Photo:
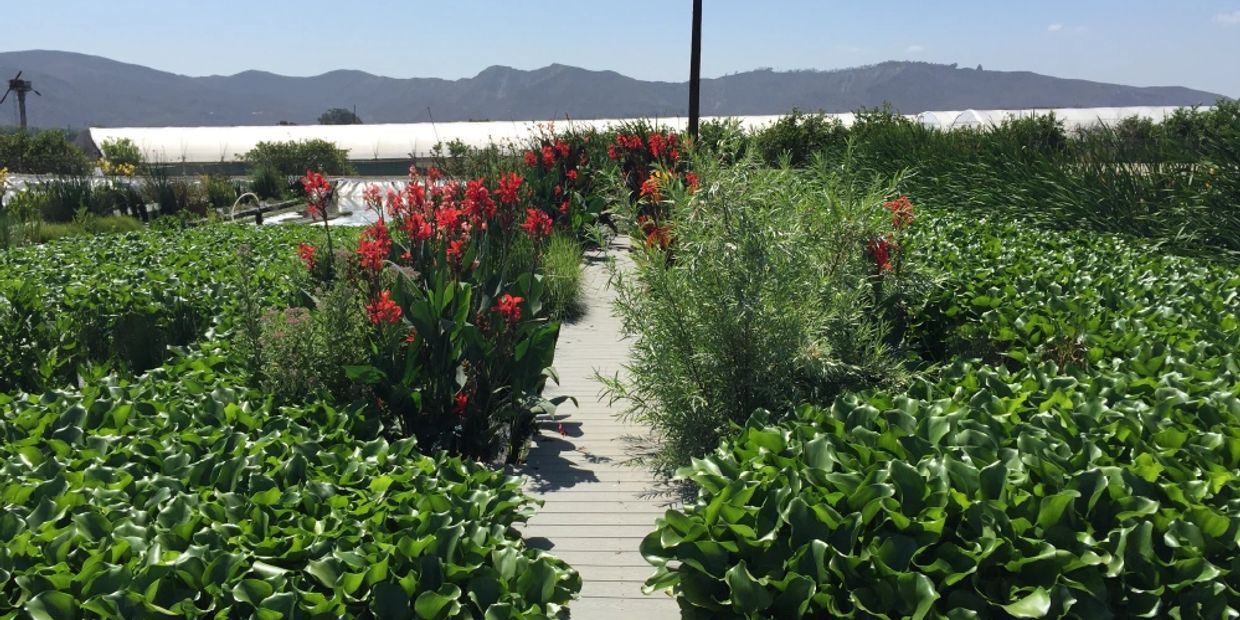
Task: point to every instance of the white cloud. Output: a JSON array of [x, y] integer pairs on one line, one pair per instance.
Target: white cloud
[[1228, 19], [1054, 28], [915, 49]]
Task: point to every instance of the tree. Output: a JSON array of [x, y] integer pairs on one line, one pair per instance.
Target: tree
[[340, 116]]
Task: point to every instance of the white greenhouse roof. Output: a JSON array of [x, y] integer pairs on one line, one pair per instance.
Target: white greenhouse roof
[[205, 145]]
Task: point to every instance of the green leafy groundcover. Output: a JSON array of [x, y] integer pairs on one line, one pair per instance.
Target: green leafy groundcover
[[177, 496], [1085, 466], [120, 300]]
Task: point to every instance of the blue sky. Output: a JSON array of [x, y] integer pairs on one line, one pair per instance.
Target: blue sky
[[1141, 42]]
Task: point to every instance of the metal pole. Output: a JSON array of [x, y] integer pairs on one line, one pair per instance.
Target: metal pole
[[21, 105], [695, 71]]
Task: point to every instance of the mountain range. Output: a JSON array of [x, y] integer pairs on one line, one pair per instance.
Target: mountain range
[[79, 90]]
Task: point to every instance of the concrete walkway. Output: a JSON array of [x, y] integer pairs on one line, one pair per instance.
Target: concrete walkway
[[598, 507]]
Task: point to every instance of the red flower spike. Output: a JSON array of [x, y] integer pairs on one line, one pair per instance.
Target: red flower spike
[[509, 188], [537, 224], [383, 311], [306, 252], [509, 307]]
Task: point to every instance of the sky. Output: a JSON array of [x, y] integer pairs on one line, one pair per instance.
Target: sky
[[1192, 43]]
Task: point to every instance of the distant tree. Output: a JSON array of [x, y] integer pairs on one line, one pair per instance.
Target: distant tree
[[340, 116], [288, 123]]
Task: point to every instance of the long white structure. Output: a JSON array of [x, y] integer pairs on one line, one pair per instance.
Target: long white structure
[[389, 142]]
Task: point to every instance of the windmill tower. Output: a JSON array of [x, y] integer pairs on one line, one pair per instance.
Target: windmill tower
[[21, 87]]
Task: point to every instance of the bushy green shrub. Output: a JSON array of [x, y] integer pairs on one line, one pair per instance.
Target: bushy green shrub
[[305, 354], [42, 152], [121, 152], [798, 137], [293, 159], [267, 183], [767, 296]]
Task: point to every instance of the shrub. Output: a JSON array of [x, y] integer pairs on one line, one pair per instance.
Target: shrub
[[798, 137], [305, 355], [173, 194], [293, 159], [267, 183], [771, 297], [121, 155], [43, 152]]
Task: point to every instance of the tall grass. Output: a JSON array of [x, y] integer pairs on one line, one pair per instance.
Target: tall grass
[[1174, 182]]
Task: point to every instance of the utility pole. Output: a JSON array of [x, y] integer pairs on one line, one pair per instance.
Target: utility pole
[[21, 87], [695, 71]]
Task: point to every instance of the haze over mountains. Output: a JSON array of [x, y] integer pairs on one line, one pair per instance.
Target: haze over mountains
[[80, 90]]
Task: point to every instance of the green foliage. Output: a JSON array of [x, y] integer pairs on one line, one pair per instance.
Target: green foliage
[[340, 116], [458, 160], [293, 159], [267, 182], [173, 194], [1173, 182], [121, 151], [121, 300], [304, 354], [59, 200], [43, 152], [798, 137], [1090, 474], [181, 495], [767, 298], [42, 232], [563, 277]]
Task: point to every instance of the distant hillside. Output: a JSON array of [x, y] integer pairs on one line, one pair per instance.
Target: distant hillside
[[80, 90]]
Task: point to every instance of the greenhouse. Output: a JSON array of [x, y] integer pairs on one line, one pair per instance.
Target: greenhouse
[[396, 144]]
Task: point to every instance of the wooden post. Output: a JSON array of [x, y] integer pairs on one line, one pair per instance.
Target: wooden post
[[695, 71]]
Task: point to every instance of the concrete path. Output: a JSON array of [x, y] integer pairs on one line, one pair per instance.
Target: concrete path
[[598, 507]]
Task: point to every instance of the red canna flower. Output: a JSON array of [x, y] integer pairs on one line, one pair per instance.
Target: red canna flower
[[537, 224], [612, 154], [383, 311], [564, 207], [880, 251], [509, 188], [374, 247], [460, 403], [531, 160], [901, 211], [509, 307], [478, 204], [416, 227], [548, 156], [692, 181], [434, 174], [571, 175], [656, 145], [307, 252], [317, 189], [412, 336], [563, 148], [455, 248]]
